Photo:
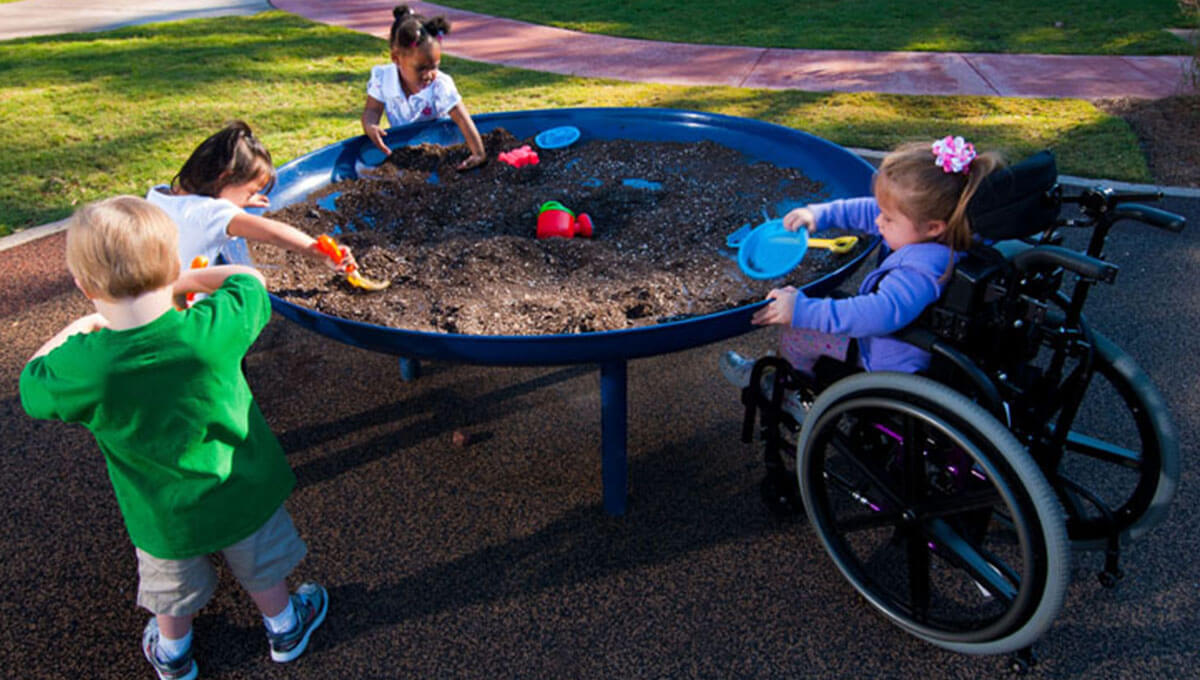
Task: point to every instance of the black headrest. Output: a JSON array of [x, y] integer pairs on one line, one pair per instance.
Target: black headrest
[[1017, 201]]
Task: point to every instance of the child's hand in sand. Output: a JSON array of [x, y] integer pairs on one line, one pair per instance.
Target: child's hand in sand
[[473, 161]]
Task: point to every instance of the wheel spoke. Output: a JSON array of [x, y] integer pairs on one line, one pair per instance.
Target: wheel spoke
[[916, 489], [865, 468], [916, 484], [918, 575], [957, 505], [962, 554], [864, 522], [1099, 449], [878, 517]]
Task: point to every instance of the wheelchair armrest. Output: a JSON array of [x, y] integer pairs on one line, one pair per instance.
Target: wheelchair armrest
[[1057, 256]]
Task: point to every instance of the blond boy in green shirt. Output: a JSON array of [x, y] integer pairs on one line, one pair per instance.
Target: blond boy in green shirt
[[194, 466]]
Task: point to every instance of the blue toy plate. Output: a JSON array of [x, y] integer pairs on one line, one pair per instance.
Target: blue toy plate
[[556, 138], [770, 251], [370, 156], [735, 239]]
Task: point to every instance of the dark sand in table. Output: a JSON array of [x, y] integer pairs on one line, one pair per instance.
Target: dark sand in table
[[461, 253]]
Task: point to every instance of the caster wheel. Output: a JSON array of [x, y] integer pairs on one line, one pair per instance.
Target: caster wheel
[[1110, 579], [1022, 662], [781, 495]]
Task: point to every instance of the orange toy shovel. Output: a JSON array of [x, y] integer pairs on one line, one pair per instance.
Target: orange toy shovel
[[198, 262]]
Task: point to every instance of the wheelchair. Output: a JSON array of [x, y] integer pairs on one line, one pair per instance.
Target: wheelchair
[[952, 499]]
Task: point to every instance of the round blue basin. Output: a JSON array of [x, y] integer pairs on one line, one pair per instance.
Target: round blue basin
[[841, 172]]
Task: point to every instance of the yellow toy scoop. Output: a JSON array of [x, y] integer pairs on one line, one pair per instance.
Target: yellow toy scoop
[[839, 246], [327, 245], [353, 278]]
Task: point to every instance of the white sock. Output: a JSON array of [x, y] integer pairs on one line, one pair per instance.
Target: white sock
[[283, 621], [169, 650]]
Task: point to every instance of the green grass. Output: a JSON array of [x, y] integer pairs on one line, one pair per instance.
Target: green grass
[[1060, 27], [91, 115]]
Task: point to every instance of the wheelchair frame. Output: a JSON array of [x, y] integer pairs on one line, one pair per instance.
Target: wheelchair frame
[[952, 500]]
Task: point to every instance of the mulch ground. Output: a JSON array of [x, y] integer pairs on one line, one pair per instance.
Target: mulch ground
[[1167, 130]]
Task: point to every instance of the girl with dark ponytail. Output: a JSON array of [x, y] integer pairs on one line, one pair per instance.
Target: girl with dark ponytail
[[228, 172]]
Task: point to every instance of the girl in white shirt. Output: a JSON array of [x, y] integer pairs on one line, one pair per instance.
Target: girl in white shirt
[[228, 172], [412, 89]]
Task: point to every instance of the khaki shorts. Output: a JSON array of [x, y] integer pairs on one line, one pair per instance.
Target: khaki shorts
[[259, 561]]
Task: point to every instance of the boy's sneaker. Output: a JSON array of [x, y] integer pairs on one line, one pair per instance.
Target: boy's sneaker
[[183, 668], [310, 602]]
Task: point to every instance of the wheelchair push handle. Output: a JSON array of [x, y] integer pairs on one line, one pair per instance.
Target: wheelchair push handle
[[1154, 217], [1102, 199]]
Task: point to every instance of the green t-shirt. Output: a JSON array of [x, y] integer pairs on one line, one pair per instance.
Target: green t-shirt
[[193, 462]]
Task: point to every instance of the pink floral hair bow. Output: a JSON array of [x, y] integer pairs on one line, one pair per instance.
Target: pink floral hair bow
[[953, 154]]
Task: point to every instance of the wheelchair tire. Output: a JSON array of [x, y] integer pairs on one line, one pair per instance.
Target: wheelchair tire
[[1130, 460], [934, 512]]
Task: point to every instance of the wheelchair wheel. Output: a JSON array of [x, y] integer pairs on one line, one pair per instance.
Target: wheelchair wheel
[[1122, 449], [934, 512]]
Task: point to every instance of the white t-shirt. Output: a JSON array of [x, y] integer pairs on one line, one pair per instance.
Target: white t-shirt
[[432, 102], [203, 222]]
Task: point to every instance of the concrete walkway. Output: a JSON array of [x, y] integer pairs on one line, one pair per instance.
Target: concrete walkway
[[542, 48], [513, 43], [49, 17]]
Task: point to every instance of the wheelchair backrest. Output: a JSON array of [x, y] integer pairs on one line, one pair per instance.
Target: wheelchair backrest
[[1018, 201]]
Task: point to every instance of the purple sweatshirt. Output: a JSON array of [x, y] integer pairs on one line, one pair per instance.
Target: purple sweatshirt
[[889, 298]]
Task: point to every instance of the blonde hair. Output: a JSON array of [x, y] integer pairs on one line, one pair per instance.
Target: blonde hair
[[924, 192], [122, 247]]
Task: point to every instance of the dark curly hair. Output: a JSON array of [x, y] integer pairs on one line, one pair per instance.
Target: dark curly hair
[[410, 30]]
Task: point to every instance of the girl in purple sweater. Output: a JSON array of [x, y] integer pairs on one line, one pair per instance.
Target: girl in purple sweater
[[919, 208]]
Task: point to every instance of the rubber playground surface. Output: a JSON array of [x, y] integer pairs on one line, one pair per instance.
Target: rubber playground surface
[[496, 560]]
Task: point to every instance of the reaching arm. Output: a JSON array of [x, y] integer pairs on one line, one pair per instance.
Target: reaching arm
[[87, 324], [276, 233], [371, 115], [466, 125], [848, 213], [900, 298], [209, 279]]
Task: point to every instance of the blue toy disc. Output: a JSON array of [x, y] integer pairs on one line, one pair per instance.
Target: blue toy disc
[[734, 240], [556, 138], [370, 156], [770, 251]]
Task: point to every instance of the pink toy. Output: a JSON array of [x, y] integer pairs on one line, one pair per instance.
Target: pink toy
[[520, 156], [556, 220]]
